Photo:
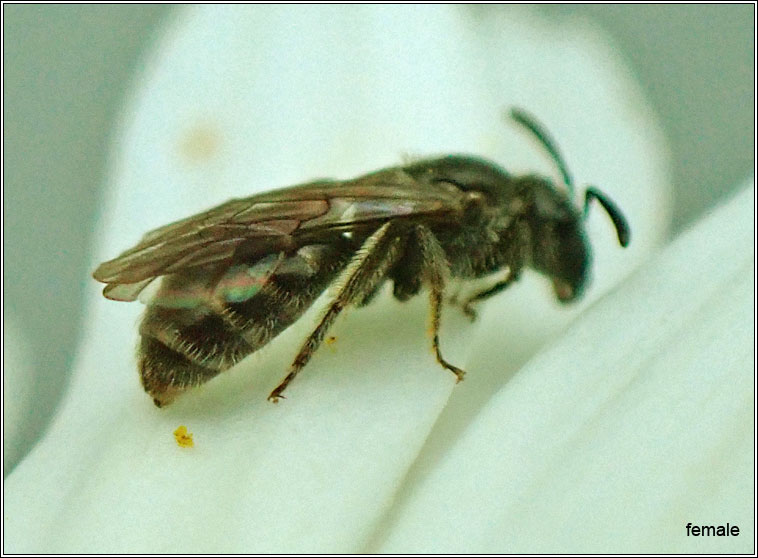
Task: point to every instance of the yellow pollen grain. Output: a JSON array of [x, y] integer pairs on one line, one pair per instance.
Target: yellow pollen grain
[[183, 438]]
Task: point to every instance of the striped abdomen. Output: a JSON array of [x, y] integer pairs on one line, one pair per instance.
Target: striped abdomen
[[199, 324]]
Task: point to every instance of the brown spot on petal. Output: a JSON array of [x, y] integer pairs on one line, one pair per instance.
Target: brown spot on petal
[[200, 143]]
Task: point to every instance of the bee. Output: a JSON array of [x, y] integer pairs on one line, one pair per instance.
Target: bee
[[237, 275]]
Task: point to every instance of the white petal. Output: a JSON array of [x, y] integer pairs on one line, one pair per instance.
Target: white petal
[[18, 391], [636, 422], [240, 99]]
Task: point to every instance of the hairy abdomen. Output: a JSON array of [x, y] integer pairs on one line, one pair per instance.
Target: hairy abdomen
[[202, 322]]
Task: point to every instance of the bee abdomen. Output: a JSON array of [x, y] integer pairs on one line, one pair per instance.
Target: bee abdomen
[[197, 326]]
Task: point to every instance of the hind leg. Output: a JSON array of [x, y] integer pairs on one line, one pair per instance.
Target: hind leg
[[361, 277]]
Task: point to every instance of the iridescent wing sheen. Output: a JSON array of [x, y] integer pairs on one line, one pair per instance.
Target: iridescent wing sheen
[[275, 222]]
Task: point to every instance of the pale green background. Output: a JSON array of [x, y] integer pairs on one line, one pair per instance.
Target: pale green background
[[68, 69]]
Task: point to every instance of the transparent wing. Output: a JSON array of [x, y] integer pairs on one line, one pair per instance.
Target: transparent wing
[[273, 222]]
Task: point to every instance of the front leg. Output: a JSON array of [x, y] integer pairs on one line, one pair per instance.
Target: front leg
[[486, 293]]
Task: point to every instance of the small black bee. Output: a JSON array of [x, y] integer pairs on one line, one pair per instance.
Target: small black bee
[[237, 275]]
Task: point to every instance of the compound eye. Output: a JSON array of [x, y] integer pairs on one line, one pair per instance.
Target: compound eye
[[573, 256]]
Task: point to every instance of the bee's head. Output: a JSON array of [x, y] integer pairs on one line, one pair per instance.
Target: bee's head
[[559, 247]]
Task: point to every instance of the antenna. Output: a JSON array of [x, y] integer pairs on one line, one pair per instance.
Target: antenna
[[619, 221], [538, 131]]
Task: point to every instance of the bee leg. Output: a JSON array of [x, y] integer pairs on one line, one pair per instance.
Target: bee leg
[[436, 301], [435, 272], [486, 293], [361, 277]]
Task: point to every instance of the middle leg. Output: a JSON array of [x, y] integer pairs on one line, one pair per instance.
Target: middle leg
[[435, 270]]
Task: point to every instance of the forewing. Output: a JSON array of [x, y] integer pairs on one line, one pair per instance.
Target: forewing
[[209, 238], [277, 221]]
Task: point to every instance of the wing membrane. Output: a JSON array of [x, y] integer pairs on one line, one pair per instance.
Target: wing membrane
[[281, 220]]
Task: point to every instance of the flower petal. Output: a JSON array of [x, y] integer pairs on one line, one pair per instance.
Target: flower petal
[[636, 422], [239, 99]]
